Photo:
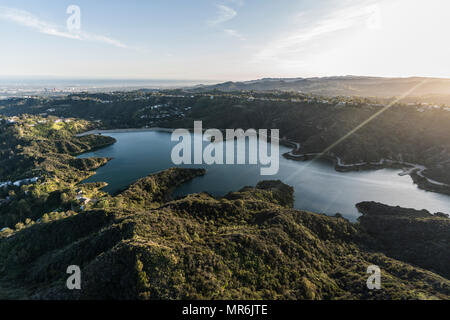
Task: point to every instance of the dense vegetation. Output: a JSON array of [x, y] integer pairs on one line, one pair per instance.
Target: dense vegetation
[[45, 150], [405, 133], [434, 90], [423, 239], [249, 244]]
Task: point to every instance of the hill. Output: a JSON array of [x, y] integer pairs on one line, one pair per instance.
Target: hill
[[341, 86], [142, 244], [247, 245]]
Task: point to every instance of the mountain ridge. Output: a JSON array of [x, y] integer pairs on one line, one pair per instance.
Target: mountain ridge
[[381, 87]]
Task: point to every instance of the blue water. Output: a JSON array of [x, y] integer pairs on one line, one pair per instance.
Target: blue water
[[318, 187]]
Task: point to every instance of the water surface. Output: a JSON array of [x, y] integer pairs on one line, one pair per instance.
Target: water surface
[[318, 187]]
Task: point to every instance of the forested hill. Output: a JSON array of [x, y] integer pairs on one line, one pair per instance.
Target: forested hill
[[407, 135], [143, 244], [249, 244], [342, 86], [38, 167]]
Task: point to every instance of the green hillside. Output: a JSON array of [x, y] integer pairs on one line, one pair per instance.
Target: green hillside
[[251, 244]]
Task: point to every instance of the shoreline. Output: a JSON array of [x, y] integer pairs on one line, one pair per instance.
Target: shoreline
[[415, 171], [101, 131]]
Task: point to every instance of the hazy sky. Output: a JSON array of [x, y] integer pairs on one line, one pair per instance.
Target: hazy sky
[[225, 39]]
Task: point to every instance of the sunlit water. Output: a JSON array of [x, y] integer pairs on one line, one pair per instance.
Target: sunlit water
[[318, 187]]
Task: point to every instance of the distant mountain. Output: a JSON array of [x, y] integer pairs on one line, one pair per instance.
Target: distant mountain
[[345, 85]]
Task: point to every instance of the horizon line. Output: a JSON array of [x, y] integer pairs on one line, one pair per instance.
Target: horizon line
[[131, 78]]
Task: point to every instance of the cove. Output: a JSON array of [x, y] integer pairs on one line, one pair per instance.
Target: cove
[[318, 187]]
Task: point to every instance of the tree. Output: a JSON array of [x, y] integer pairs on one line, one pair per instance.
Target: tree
[[45, 218], [19, 226]]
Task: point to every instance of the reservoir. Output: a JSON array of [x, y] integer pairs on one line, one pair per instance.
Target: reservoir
[[318, 186]]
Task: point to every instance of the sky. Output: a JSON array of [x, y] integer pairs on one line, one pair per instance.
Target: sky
[[223, 39]]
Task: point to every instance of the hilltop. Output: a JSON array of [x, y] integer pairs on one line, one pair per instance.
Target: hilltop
[[343, 86]]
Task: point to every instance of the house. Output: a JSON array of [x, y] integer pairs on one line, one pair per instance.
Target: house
[[82, 199], [5, 184], [12, 119], [18, 183]]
